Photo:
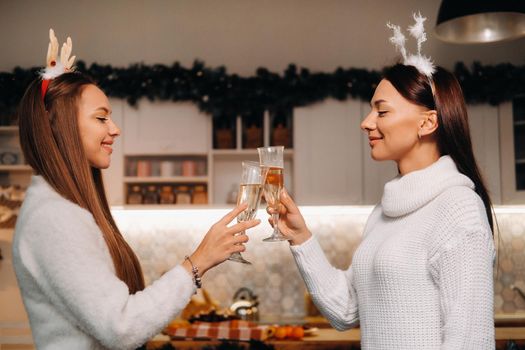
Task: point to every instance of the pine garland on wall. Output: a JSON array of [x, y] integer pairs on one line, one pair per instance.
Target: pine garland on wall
[[225, 95]]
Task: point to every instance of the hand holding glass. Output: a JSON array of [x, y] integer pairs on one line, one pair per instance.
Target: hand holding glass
[[272, 158], [250, 189]]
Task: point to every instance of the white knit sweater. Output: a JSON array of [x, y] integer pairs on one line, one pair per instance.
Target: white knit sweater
[[71, 293], [422, 276]]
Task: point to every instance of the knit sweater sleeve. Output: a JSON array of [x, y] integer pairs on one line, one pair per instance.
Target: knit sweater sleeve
[[331, 289], [462, 268], [64, 252]]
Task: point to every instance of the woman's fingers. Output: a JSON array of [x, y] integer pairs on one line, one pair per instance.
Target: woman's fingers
[[233, 214], [240, 239], [242, 226], [282, 210], [288, 203], [238, 248]]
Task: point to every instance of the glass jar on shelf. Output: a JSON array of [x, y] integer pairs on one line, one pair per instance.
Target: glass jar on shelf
[[151, 196], [143, 168], [200, 167], [155, 167], [200, 195], [232, 194], [135, 195], [166, 195], [183, 195], [166, 168], [188, 168]]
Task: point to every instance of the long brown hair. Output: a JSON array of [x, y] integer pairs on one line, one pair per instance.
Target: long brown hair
[[453, 134], [52, 146]]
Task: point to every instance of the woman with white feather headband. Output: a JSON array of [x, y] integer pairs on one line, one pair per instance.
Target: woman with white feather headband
[[422, 277]]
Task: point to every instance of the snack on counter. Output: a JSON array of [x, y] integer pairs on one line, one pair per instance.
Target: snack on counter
[[199, 304], [212, 316]]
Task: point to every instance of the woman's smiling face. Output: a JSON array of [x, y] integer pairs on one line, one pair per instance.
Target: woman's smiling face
[[97, 129], [392, 125]]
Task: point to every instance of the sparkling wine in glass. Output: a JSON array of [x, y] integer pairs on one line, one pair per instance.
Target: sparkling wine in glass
[[272, 158], [250, 190]]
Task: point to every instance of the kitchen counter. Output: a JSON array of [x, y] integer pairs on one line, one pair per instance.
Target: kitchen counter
[[324, 338], [327, 338]]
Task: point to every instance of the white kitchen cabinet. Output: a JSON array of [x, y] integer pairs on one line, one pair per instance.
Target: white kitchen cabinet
[[165, 128], [484, 131], [328, 153], [512, 151]]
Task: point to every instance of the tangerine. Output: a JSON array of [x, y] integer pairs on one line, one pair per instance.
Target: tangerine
[[297, 332], [280, 332]]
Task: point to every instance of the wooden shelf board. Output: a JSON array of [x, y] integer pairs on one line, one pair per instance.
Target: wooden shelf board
[[17, 167], [8, 128], [159, 179], [243, 152]]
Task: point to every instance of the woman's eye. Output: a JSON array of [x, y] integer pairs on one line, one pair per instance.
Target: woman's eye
[[381, 113], [102, 119]]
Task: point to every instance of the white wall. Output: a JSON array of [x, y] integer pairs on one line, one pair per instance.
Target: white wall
[[240, 34]]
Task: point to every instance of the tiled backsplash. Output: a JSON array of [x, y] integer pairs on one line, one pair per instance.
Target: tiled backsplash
[[511, 261], [162, 238]]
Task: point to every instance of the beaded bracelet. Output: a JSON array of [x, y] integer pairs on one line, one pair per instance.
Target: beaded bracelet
[[195, 272]]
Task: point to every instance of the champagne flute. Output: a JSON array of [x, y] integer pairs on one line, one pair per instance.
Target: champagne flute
[[250, 190], [272, 158]]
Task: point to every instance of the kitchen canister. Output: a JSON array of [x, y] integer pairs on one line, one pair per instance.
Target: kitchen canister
[[143, 168], [188, 168], [166, 168]]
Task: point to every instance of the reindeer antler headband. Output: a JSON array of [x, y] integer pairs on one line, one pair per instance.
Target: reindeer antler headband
[[423, 63], [54, 66]]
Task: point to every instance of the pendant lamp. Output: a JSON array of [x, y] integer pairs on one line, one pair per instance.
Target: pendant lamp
[[480, 21]]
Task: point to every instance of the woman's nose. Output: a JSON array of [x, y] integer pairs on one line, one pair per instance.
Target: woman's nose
[[368, 123], [114, 130]]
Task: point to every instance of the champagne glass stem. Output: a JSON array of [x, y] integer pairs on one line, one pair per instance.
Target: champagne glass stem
[[275, 219], [237, 256]]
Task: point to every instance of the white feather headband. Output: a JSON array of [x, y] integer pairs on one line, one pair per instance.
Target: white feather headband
[[54, 66], [422, 63]]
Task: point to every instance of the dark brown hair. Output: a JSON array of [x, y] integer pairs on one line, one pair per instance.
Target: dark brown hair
[[51, 143], [453, 134]]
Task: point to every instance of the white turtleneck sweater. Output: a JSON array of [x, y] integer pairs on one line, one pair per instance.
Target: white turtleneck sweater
[[422, 276], [71, 293]]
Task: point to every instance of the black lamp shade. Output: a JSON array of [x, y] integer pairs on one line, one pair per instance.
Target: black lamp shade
[[480, 21]]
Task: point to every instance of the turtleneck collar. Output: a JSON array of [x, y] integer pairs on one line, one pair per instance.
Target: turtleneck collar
[[39, 184], [407, 193]]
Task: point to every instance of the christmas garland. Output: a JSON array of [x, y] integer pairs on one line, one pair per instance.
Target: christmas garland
[[225, 95]]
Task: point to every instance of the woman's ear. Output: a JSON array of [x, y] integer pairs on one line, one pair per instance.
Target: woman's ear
[[429, 123]]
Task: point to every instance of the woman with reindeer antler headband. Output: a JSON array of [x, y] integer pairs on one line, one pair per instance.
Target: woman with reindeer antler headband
[[81, 283], [422, 276]]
